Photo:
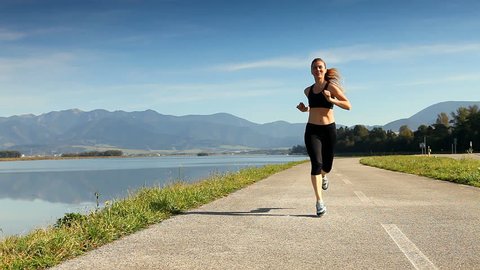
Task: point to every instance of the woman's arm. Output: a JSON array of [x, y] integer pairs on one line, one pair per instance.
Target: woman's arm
[[301, 107], [337, 97]]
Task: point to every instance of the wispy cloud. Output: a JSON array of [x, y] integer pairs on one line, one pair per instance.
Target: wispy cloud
[[36, 66], [9, 35], [436, 81], [21, 104], [166, 93], [373, 53], [267, 63], [212, 96], [443, 80], [354, 53]]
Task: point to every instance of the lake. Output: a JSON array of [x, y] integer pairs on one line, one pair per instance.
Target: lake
[[35, 194]]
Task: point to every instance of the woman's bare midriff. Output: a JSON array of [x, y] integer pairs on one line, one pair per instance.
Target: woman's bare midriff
[[320, 116]]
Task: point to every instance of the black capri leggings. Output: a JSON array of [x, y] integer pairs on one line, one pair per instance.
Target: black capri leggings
[[320, 141]]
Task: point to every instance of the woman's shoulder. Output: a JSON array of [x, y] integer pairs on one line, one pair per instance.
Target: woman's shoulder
[[332, 86], [307, 89]]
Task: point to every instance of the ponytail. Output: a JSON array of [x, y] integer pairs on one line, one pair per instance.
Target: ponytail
[[333, 76]]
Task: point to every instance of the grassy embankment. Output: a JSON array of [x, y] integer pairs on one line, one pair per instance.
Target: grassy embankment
[[75, 234], [462, 171]]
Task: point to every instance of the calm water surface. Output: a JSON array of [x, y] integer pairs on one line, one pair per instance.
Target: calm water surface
[[36, 193]]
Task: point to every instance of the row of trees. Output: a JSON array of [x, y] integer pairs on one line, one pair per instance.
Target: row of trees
[[108, 153], [10, 154], [459, 132]]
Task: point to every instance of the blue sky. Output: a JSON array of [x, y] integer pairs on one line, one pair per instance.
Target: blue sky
[[247, 58]]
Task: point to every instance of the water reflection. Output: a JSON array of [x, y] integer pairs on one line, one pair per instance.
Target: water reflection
[[35, 193], [20, 217], [80, 186]]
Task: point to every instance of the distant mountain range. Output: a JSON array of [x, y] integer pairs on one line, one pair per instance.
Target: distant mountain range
[[429, 115], [75, 131]]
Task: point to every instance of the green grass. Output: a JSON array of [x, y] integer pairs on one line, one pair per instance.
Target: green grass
[[74, 234], [462, 171]]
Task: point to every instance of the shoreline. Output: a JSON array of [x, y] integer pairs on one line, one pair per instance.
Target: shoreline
[[56, 158], [34, 158]]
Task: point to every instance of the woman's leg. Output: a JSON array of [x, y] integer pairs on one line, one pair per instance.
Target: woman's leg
[[314, 150], [329, 139], [316, 182]]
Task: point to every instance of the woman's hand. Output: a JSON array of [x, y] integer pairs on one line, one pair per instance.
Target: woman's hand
[[328, 95], [335, 96], [301, 107]]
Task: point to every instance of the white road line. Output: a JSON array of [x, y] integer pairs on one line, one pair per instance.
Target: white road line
[[362, 196], [346, 181], [409, 249]]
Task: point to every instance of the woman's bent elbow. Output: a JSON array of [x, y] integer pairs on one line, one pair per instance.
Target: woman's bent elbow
[[347, 106]]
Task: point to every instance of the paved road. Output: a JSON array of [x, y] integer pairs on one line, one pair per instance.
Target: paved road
[[376, 219]]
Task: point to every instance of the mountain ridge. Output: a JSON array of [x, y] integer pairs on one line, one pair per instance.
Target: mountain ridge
[[59, 131], [428, 116], [75, 130]]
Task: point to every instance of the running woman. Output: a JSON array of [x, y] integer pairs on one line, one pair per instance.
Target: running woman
[[320, 131]]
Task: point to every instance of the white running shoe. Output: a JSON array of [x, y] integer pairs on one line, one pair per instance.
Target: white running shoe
[[321, 208], [324, 182]]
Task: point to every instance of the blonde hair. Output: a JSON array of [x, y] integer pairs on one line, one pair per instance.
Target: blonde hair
[[332, 75]]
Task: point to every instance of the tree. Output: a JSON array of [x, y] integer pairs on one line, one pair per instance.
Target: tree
[[474, 127], [108, 153], [345, 140], [421, 131], [377, 134], [391, 144], [10, 154], [442, 119], [405, 132], [360, 137], [377, 139], [405, 139], [298, 150], [466, 121], [360, 131]]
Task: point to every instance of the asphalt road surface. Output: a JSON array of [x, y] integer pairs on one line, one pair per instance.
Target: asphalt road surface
[[376, 219]]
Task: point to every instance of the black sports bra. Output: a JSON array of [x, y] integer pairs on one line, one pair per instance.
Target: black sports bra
[[318, 100]]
